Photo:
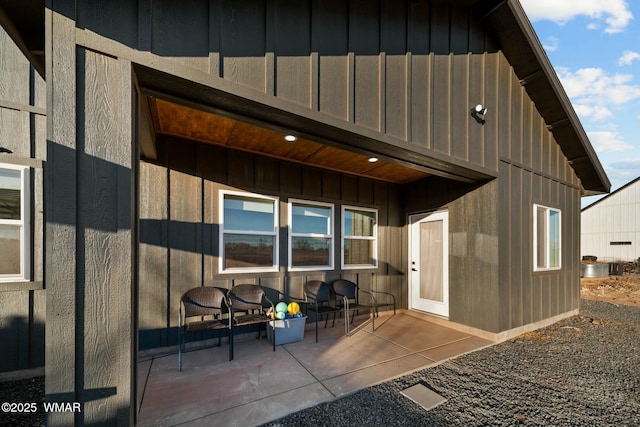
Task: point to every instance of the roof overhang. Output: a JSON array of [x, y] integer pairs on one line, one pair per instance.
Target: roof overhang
[[508, 24]]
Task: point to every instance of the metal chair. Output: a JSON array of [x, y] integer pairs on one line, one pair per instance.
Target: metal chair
[[348, 300], [201, 309], [317, 294], [251, 300]]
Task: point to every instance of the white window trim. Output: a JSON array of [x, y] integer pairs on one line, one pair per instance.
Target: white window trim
[[275, 233], [374, 238], [292, 235], [25, 224], [535, 239]]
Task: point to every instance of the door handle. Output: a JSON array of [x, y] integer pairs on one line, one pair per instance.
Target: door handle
[[414, 269]]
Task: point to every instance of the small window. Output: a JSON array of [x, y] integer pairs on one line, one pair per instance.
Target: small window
[[359, 237], [310, 235], [249, 233], [14, 223], [546, 238]]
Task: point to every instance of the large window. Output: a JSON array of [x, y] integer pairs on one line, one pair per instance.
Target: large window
[[249, 233], [310, 235], [359, 237], [14, 223], [546, 238]]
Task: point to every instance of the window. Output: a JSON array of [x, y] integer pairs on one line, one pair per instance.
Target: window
[[359, 237], [249, 233], [546, 238], [14, 223], [310, 235]]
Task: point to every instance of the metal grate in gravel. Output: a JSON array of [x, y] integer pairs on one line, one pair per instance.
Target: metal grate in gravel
[[423, 396]]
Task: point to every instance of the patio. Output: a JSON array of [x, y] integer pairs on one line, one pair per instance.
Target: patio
[[260, 385]]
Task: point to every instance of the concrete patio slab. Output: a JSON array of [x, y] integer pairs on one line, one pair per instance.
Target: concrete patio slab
[[261, 385]]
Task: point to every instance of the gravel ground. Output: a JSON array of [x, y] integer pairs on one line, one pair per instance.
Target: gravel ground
[[583, 371]]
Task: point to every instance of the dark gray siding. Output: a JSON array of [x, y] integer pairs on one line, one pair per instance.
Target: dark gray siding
[[402, 74], [22, 131], [492, 283], [406, 72], [89, 235], [179, 226]]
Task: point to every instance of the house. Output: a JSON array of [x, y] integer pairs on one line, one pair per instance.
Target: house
[[610, 227], [424, 148]]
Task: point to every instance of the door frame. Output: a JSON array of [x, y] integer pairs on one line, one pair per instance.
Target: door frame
[[432, 307]]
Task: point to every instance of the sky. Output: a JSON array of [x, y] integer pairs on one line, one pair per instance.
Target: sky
[[594, 46]]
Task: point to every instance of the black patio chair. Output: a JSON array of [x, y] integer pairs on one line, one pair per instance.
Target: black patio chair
[[348, 299], [201, 309], [317, 294], [247, 306]]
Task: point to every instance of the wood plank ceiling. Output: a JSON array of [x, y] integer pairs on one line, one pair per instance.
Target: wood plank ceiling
[[197, 125]]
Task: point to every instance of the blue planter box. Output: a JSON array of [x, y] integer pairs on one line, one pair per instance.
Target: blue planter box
[[288, 330]]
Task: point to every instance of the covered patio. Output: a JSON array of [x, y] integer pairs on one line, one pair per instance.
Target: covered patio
[[260, 385]]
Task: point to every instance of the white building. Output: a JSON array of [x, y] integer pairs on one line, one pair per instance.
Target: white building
[[610, 227]]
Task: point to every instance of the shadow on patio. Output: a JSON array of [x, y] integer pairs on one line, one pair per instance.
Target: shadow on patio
[[260, 385]]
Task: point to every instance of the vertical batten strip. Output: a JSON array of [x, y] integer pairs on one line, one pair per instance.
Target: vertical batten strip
[[215, 66], [314, 86], [61, 211], [351, 86], [407, 97], [382, 92]]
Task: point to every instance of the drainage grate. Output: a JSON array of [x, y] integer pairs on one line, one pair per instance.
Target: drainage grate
[[424, 396]]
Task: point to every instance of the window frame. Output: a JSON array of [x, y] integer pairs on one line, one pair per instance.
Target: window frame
[[344, 237], [275, 233], [548, 242], [291, 235], [24, 223]]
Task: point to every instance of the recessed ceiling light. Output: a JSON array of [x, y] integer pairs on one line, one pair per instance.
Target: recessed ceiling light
[[373, 159], [290, 138]]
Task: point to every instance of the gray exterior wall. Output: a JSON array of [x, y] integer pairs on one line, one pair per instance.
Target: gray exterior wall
[[22, 131], [397, 77], [179, 223]]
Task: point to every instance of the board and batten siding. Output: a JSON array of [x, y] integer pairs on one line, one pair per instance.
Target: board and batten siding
[[404, 73], [180, 225], [493, 286], [23, 132], [90, 233]]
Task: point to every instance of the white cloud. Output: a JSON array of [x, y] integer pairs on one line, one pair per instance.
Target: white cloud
[[608, 142], [622, 172], [550, 44], [628, 57], [596, 113], [629, 164], [596, 88], [615, 13]]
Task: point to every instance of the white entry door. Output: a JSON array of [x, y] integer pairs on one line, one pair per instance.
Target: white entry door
[[429, 263]]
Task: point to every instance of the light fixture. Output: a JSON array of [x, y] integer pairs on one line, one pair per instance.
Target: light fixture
[[290, 138], [478, 113], [479, 109], [373, 159]]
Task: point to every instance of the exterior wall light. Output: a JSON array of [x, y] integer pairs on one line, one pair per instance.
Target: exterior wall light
[[479, 109], [478, 113]]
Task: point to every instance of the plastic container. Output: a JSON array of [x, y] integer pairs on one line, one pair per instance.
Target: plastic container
[[288, 330]]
